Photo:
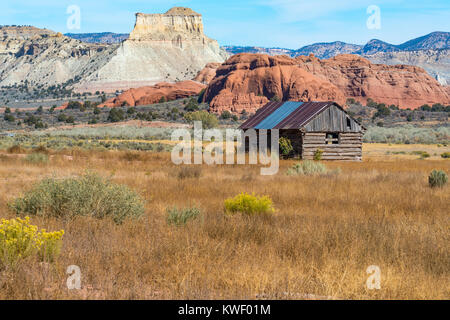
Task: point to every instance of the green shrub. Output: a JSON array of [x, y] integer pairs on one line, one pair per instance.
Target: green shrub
[[74, 105], [285, 147], [201, 95], [437, 178], [249, 205], [207, 119], [181, 217], [87, 195], [318, 155], [9, 117], [275, 98], [308, 168], [192, 105], [445, 155], [116, 115], [226, 115], [422, 154], [37, 158]]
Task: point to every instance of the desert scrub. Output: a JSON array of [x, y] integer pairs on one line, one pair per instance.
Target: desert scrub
[[285, 147], [207, 119], [318, 155], [445, 155], [422, 154], [36, 158], [249, 204], [19, 240], [437, 179], [87, 195], [307, 168], [180, 217], [407, 134]]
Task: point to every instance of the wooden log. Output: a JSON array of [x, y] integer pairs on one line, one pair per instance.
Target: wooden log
[[334, 150], [351, 142], [315, 134], [351, 134], [329, 145], [314, 142]]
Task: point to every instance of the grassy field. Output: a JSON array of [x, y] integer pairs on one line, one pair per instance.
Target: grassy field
[[324, 234]]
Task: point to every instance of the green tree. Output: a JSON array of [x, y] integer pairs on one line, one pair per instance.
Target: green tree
[[9, 117], [207, 119], [226, 115], [191, 106], [74, 105], [275, 98], [201, 95], [116, 115]]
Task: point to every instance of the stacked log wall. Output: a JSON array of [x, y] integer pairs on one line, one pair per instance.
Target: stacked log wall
[[349, 146]]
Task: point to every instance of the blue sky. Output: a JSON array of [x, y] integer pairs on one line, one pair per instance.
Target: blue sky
[[269, 23]]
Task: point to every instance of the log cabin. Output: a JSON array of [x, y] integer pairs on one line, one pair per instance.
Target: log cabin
[[313, 128]]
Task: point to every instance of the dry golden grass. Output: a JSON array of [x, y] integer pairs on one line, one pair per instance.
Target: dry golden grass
[[327, 230]]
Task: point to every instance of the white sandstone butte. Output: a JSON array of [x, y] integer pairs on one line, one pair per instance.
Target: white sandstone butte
[[166, 47]]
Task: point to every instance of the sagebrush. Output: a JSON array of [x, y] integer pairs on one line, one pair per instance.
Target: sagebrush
[[180, 217], [87, 195], [307, 168], [437, 179]]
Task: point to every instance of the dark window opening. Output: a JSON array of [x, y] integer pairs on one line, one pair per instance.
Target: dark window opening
[[349, 123], [332, 138]]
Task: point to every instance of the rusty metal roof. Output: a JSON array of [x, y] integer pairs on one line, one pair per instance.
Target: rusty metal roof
[[301, 116], [260, 115], [285, 115]]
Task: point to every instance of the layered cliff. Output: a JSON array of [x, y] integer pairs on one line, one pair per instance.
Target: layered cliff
[[43, 57], [162, 47], [248, 81]]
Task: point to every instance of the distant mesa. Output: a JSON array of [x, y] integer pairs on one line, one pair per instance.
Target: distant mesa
[[169, 47], [177, 24]]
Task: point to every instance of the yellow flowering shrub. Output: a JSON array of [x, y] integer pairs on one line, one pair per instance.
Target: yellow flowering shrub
[[19, 239], [249, 204]]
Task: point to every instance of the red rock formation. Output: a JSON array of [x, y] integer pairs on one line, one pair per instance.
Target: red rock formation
[[358, 78], [247, 81], [207, 73], [153, 94]]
